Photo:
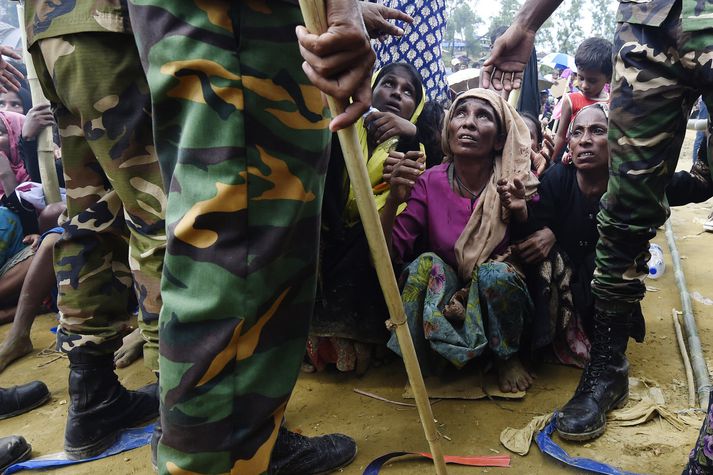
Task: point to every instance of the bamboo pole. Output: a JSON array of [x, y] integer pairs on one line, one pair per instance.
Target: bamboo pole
[[316, 21], [45, 143], [686, 360], [698, 362]]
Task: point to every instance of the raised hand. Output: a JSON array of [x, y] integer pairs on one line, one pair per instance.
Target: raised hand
[[376, 19]]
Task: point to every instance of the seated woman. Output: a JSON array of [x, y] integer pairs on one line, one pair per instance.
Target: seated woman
[[348, 321], [461, 296], [560, 253]]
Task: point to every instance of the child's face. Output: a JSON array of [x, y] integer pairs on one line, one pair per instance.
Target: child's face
[[395, 94], [591, 82], [10, 101]]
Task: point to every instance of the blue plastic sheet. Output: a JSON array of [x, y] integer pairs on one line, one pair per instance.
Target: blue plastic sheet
[[129, 439], [549, 447]]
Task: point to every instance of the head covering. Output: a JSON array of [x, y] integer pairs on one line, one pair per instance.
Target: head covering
[[375, 162], [487, 225], [13, 123], [603, 106]]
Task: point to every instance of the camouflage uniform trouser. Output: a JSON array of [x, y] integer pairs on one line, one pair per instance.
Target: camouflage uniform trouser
[[241, 136], [115, 233], [659, 72]]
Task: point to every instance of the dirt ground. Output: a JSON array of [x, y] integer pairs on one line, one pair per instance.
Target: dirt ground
[[326, 402]]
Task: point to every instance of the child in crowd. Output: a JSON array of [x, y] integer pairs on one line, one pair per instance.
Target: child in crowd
[[594, 70], [541, 144]]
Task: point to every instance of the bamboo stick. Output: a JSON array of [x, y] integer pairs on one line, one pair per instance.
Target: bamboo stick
[[698, 362], [45, 143], [315, 17], [686, 360]]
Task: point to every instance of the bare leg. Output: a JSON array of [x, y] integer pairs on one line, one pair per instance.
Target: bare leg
[[12, 282], [38, 284], [132, 348], [512, 375]]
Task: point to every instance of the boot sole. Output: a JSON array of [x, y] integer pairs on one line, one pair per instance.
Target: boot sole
[[20, 458], [101, 445], [26, 409], [582, 436]]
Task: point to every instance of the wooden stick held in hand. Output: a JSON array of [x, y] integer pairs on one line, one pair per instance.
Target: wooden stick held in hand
[[315, 18], [45, 143]]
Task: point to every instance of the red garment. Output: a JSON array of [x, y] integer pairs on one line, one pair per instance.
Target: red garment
[[13, 123], [579, 101]]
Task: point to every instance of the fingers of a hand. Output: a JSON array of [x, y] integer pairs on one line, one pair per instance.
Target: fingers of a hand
[[384, 28], [328, 66], [496, 79], [401, 181], [394, 14], [14, 71], [361, 100], [7, 51], [485, 77]]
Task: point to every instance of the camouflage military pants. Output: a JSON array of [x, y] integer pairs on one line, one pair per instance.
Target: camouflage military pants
[[114, 237], [241, 136], [659, 72]]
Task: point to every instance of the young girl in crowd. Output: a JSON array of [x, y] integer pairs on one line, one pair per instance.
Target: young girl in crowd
[[455, 234], [347, 326]]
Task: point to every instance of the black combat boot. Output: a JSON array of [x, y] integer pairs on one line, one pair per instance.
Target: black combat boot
[[20, 399], [604, 385], [100, 406], [13, 449], [296, 454]]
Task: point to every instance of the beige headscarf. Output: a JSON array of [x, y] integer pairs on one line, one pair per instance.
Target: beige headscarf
[[487, 225]]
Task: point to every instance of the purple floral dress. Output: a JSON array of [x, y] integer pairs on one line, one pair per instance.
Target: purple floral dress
[[701, 459]]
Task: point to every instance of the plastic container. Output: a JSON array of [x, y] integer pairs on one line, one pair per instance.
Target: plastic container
[[391, 143], [656, 264]]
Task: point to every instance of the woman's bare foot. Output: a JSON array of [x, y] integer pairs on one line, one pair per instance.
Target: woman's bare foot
[[512, 375], [12, 349], [132, 348]]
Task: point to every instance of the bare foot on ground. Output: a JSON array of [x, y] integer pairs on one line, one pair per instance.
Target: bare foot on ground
[[12, 349], [512, 375], [131, 349]]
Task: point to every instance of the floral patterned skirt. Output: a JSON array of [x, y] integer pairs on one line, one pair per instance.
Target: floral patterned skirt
[[701, 459], [497, 309]]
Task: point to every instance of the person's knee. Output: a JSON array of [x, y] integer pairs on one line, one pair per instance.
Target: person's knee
[[49, 216], [493, 276]]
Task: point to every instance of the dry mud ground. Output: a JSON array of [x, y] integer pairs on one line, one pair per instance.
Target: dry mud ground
[[326, 403]]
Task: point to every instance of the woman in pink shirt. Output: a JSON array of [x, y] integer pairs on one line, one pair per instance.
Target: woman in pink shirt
[[461, 295]]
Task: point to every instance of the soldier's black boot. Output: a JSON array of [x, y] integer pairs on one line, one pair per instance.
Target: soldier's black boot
[[604, 384], [20, 399], [100, 406], [296, 454]]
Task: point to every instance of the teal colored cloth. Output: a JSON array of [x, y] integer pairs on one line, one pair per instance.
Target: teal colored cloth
[[497, 312], [11, 235]]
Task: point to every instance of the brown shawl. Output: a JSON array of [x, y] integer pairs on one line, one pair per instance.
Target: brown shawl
[[487, 225]]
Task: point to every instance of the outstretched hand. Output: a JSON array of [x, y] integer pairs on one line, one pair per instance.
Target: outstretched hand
[[376, 19], [512, 197], [339, 60], [9, 75], [503, 70]]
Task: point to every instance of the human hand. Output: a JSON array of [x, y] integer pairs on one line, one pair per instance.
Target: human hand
[[512, 197], [536, 247], [503, 70], [37, 119], [32, 240], [404, 174], [339, 60], [9, 75], [376, 19], [539, 162], [395, 157], [381, 126]]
